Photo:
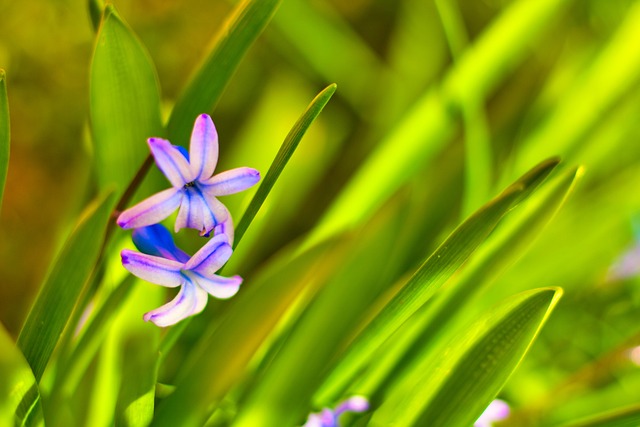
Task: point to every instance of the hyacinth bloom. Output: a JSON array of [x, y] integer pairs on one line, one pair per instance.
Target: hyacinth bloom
[[329, 418], [161, 262], [496, 411], [194, 190]]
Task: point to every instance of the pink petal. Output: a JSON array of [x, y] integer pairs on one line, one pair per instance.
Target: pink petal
[[171, 162], [157, 270], [151, 210], [231, 181], [203, 149]]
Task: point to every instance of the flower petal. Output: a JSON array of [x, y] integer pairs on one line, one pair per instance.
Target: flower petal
[[203, 148], [231, 181], [156, 240], [161, 271], [226, 228], [211, 257], [171, 162], [182, 306], [151, 210], [217, 286], [200, 212]]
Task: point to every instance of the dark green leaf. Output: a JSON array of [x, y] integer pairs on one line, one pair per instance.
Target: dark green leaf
[[205, 87], [63, 285], [124, 101]]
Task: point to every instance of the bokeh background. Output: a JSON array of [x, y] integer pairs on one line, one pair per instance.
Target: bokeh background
[[384, 55]]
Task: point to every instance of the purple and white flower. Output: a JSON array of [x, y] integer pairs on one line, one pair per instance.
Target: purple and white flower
[[161, 262], [194, 190], [329, 418]]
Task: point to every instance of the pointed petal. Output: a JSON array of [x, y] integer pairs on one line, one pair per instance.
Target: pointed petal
[[211, 257], [203, 148], [181, 307], [201, 300], [231, 181], [156, 240], [200, 213], [161, 271], [218, 286], [151, 210], [171, 162]]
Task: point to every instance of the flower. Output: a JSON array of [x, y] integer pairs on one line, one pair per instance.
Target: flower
[[194, 188], [496, 411], [329, 418], [163, 263]]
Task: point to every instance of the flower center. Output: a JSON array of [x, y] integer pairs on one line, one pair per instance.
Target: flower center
[[189, 184]]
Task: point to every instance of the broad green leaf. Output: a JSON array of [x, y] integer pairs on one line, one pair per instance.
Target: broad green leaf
[[476, 365], [124, 102], [230, 44], [284, 154], [19, 395], [624, 417], [429, 124], [5, 136], [220, 359], [64, 283], [435, 271], [508, 243]]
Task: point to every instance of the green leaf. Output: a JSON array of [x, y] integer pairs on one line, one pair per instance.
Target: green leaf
[[435, 271], [622, 417], [230, 44], [475, 366], [96, 7], [124, 101], [507, 243], [220, 359], [287, 149], [5, 135], [431, 122], [19, 394], [63, 285]]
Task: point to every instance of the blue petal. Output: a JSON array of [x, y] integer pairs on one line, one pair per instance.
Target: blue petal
[[156, 240], [183, 150]]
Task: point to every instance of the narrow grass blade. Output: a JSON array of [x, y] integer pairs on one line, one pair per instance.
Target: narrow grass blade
[[624, 417], [287, 149], [229, 46], [428, 125], [63, 285], [124, 102], [221, 359], [19, 395], [488, 354], [435, 271], [5, 135]]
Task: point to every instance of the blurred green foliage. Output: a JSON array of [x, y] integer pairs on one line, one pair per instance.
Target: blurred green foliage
[[435, 84]]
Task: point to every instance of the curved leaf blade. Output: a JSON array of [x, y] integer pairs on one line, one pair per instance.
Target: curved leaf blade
[[435, 271], [287, 149], [622, 417], [230, 44], [124, 102], [61, 289]]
